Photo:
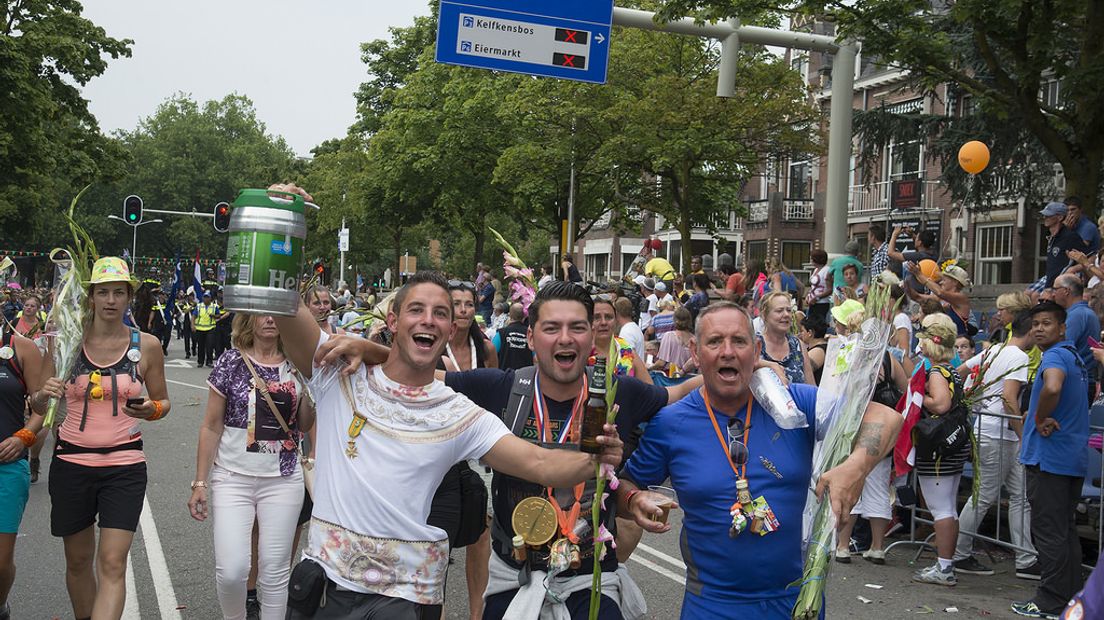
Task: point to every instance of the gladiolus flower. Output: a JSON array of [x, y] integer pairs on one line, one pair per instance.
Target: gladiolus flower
[[511, 260], [608, 474]]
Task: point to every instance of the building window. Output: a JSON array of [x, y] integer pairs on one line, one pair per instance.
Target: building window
[[626, 262], [801, 180], [1050, 93], [596, 266], [994, 254], [795, 254], [905, 161], [757, 252]]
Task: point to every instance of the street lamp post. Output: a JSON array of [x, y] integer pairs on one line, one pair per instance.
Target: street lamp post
[[134, 239]]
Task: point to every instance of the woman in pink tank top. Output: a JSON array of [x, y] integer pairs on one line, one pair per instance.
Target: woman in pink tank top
[[98, 473]]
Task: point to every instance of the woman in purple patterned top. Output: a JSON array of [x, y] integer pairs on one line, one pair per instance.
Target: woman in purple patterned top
[[251, 465]]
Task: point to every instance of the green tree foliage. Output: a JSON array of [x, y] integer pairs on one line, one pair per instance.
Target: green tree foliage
[[50, 144], [1002, 53], [187, 156]]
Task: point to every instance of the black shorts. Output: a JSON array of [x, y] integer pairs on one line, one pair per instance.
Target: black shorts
[[444, 512], [308, 508], [78, 494]]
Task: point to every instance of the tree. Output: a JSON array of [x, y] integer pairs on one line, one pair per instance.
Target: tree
[[1000, 52], [188, 156], [50, 144], [684, 153]]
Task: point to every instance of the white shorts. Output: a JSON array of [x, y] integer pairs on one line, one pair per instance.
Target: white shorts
[[941, 495], [874, 502]]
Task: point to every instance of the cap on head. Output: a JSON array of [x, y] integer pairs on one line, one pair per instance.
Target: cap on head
[[958, 274], [660, 287], [649, 284], [1054, 208], [842, 313]]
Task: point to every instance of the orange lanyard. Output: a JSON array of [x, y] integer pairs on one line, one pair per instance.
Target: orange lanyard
[[540, 412], [720, 438]]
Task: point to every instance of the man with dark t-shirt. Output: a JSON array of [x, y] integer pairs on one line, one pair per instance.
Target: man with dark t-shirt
[[561, 338], [1061, 239], [511, 342]]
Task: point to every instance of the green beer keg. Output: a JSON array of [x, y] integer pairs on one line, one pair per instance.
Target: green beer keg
[[264, 254]]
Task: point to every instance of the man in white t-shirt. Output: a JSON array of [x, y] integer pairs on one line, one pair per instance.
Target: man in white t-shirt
[[628, 330], [386, 436], [998, 450]]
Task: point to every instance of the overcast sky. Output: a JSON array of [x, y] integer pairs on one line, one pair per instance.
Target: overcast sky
[[298, 61]]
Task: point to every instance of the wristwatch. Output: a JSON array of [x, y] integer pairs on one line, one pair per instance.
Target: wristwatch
[[199, 483]]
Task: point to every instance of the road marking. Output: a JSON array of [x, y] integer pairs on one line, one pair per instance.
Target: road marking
[[179, 364], [659, 554], [191, 385], [130, 608], [162, 582], [659, 569]]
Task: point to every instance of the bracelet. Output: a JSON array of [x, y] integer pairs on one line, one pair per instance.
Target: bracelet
[[158, 411], [26, 436], [199, 483], [629, 498]]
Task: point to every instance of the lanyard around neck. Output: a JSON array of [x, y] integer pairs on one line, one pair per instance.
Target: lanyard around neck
[[452, 358], [540, 412], [724, 446]]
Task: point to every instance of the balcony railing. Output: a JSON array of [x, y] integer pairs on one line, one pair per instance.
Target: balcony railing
[[874, 197], [797, 210]]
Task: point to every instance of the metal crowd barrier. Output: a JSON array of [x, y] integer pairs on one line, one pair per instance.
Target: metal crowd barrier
[[1091, 497]]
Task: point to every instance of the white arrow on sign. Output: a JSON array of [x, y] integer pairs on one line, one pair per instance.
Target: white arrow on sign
[[599, 38]]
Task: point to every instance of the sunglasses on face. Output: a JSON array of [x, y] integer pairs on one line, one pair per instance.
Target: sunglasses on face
[[737, 451], [461, 285]]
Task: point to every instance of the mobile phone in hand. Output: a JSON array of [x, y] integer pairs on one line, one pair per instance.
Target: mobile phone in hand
[[134, 402], [1094, 343]]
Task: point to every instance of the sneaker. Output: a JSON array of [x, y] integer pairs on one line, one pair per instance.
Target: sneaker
[[876, 556], [1032, 572], [1031, 610], [843, 556], [970, 566], [5, 612], [933, 575], [252, 609]]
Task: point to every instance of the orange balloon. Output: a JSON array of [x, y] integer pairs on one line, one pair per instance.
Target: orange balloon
[[930, 269], [973, 156]]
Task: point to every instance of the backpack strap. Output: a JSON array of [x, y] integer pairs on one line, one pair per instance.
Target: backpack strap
[[13, 363], [521, 400]]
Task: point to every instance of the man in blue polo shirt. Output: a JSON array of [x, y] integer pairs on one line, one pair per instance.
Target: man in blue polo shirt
[[1061, 240], [1055, 433], [1081, 323], [693, 442]]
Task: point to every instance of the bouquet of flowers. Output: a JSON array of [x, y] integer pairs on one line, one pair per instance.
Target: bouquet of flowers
[[523, 287], [66, 318], [604, 473], [850, 373]]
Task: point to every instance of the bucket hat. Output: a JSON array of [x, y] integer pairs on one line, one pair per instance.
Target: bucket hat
[[111, 269]]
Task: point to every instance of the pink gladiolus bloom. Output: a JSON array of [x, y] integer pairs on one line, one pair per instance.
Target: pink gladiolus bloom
[[511, 271], [604, 496], [605, 536], [608, 474], [511, 260]]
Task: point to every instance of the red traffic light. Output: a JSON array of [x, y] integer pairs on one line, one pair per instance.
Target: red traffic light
[[222, 217]]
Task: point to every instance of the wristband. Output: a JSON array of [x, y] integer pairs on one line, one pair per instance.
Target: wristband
[[26, 436], [158, 411]]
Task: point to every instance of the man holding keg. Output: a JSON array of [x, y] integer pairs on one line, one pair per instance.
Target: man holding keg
[[386, 436]]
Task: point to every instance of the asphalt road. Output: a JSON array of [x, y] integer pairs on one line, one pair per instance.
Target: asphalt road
[[171, 573]]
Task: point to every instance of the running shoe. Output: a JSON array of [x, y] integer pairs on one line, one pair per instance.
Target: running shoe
[[970, 566], [934, 575], [1031, 610], [843, 556]]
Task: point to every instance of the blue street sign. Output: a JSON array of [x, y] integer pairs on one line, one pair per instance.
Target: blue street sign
[[566, 39]]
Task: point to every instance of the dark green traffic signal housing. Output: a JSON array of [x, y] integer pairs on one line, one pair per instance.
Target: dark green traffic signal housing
[[132, 210]]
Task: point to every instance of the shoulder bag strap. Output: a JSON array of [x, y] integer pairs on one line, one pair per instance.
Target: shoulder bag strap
[[262, 385]]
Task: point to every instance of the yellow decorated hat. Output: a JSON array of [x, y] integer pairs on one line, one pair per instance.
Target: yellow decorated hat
[[843, 312], [111, 269]]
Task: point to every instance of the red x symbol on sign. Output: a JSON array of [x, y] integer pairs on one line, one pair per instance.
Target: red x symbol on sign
[[569, 36], [568, 61]]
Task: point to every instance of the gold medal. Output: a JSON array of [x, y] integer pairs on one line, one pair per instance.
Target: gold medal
[[534, 520]]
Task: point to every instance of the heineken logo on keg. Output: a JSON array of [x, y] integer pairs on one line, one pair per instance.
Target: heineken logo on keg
[[280, 279]]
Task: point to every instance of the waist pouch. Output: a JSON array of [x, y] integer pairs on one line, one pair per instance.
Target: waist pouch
[[306, 587], [64, 447]]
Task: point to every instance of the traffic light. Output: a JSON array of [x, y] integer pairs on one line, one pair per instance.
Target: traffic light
[[132, 210], [222, 217]]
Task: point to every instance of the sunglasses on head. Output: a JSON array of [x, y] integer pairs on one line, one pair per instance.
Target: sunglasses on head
[[461, 284], [737, 451]]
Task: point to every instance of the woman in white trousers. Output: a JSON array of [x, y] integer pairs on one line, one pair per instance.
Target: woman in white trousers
[[247, 465]]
